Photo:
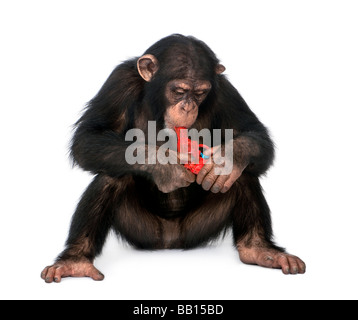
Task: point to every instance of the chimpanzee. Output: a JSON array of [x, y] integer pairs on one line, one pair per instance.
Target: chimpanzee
[[178, 82]]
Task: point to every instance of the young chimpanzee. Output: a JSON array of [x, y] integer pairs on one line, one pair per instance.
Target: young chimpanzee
[[178, 82]]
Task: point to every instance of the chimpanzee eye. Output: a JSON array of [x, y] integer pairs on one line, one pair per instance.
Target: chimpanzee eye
[[179, 93], [200, 94]]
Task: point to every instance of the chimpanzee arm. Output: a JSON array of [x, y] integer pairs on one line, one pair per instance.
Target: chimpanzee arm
[[253, 147], [99, 142], [101, 152], [104, 152]]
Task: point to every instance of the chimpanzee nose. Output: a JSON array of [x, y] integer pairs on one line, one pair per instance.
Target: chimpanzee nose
[[188, 106]]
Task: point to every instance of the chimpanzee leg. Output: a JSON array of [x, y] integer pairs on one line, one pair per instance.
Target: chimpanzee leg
[[209, 220], [89, 228], [134, 222], [146, 230], [253, 231]]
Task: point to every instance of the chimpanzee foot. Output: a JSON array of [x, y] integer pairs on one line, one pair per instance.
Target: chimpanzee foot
[[272, 258], [71, 268]]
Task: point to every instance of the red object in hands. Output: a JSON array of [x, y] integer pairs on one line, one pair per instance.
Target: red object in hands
[[192, 148]]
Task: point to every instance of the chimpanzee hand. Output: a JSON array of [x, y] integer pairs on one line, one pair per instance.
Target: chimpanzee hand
[[219, 177], [172, 176]]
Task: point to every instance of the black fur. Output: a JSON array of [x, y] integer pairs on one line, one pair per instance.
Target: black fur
[[124, 197]]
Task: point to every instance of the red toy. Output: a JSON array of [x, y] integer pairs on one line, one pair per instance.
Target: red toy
[[195, 150]]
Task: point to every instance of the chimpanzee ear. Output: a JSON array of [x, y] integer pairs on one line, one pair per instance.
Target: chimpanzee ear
[[220, 69], [147, 66]]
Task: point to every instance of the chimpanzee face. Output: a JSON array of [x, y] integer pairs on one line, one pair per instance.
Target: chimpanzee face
[[183, 101], [184, 94]]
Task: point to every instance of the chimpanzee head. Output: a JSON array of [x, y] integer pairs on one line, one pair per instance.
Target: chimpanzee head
[[180, 73]]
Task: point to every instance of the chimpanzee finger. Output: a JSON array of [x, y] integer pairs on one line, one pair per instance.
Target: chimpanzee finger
[[210, 179], [231, 180], [203, 172], [228, 184], [210, 152], [219, 184]]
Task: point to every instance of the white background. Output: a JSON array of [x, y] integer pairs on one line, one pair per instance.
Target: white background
[[295, 63]]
